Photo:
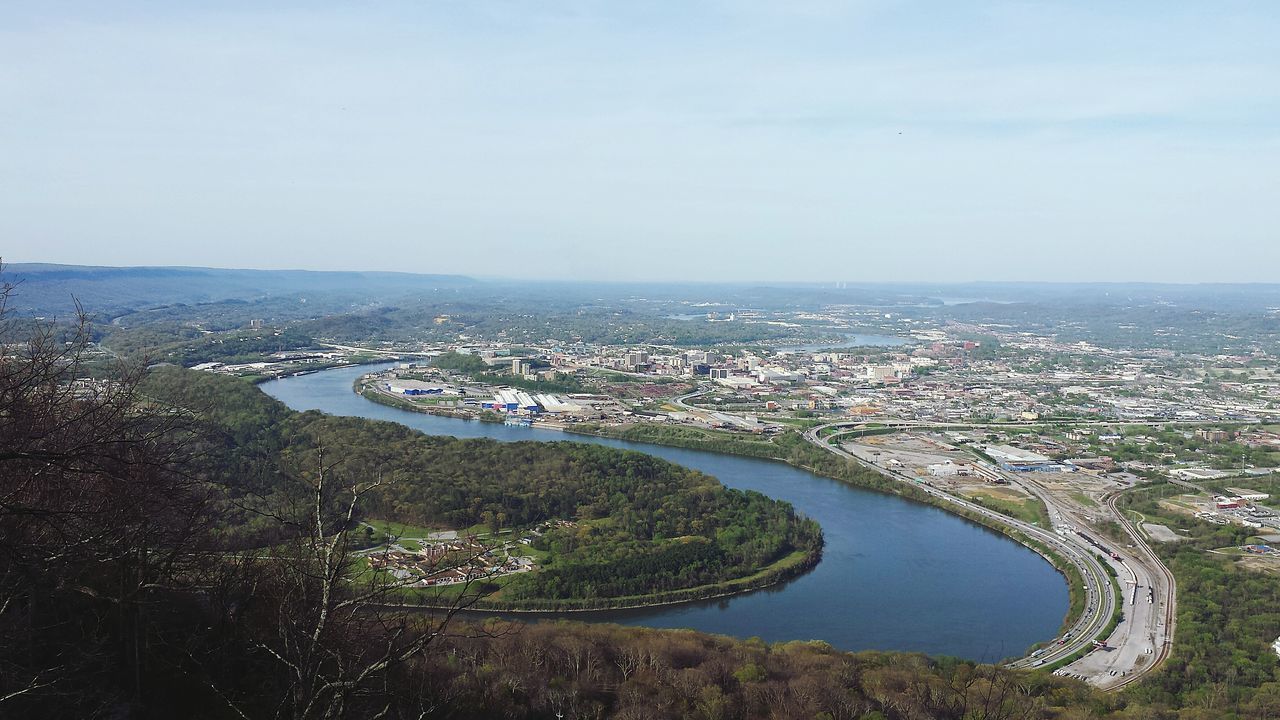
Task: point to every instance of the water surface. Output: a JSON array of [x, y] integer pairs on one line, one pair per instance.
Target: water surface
[[850, 340], [895, 575]]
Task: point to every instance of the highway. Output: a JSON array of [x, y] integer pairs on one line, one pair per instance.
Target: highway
[[1143, 638], [390, 354], [851, 425], [1100, 598], [680, 401], [1160, 621]]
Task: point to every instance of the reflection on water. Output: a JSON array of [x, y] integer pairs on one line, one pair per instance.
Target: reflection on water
[[895, 575]]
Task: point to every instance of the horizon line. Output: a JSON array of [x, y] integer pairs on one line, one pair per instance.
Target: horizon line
[[6, 266]]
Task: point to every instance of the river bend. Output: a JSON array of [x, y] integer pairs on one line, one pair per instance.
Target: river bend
[[895, 574]]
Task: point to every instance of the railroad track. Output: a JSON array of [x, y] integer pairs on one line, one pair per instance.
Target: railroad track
[[1080, 640], [1170, 605], [1086, 628]]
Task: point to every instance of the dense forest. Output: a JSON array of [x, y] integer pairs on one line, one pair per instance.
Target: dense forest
[[1228, 615], [187, 346], [609, 325], [572, 670], [643, 526]]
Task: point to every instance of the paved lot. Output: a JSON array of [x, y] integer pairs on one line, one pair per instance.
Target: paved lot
[[1160, 533]]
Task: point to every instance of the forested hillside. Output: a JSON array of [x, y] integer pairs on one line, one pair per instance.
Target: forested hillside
[[53, 289], [122, 595], [643, 525], [1228, 613], [573, 670]]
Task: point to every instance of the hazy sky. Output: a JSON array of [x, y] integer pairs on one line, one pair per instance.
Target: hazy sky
[[648, 140]]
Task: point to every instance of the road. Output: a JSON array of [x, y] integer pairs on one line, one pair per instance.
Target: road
[[390, 354], [680, 401], [1143, 638], [1153, 627], [1100, 598], [1004, 424]]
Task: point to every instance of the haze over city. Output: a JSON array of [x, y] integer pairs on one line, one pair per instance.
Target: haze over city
[[863, 360], [612, 141]]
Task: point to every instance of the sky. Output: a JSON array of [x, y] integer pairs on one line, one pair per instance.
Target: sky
[[687, 140]]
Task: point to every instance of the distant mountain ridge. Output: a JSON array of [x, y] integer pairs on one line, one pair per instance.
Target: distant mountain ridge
[[49, 289], [46, 289]]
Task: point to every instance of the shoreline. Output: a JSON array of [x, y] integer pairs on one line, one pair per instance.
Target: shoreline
[[804, 564], [773, 573], [1058, 563], [260, 379]]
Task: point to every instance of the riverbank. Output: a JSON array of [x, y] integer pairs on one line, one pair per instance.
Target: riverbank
[[791, 449], [786, 568], [382, 398], [894, 575], [354, 361]]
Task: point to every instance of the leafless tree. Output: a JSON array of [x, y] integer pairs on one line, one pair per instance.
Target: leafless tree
[[334, 629], [98, 513]]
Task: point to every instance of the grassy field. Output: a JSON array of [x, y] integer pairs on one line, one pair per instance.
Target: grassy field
[[398, 529], [1084, 500], [1028, 509]]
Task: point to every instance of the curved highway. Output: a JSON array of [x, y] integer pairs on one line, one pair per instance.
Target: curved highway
[[1098, 589], [894, 575], [1163, 585], [1141, 641]]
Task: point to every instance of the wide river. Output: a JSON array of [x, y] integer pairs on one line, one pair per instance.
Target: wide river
[[895, 575]]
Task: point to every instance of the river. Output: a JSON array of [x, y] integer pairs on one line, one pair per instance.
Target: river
[[851, 340], [895, 575]]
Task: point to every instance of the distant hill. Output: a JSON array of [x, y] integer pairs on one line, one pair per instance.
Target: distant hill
[[46, 289]]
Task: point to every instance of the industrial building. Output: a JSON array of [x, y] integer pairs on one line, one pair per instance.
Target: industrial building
[[1019, 460], [509, 400], [556, 404], [778, 375], [417, 387], [512, 400]]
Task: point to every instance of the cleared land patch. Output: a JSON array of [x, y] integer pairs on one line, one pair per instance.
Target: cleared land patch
[[1161, 533]]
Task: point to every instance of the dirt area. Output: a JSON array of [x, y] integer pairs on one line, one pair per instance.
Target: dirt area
[[1076, 492], [914, 452], [1005, 492], [1182, 504], [1161, 533], [1074, 482], [1084, 500], [1256, 563]]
